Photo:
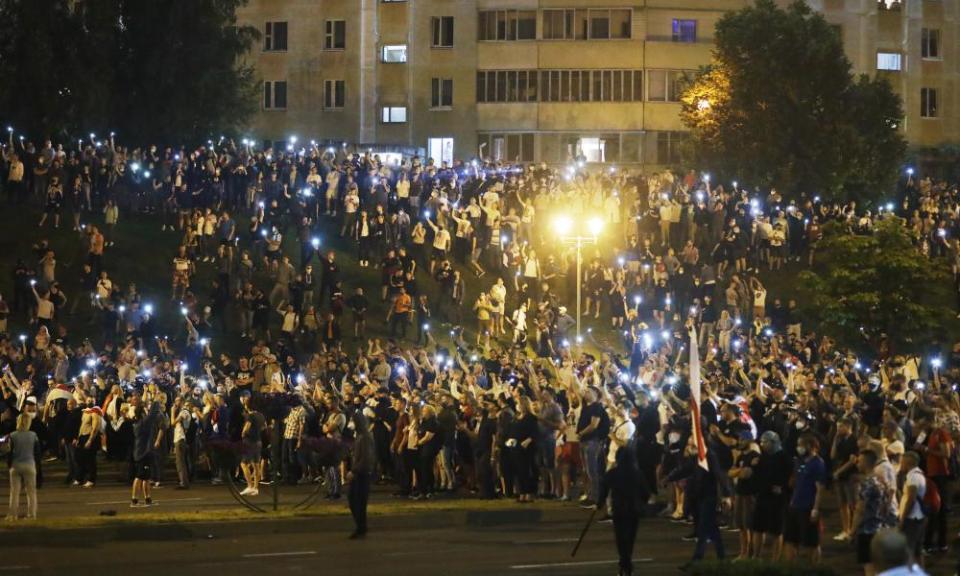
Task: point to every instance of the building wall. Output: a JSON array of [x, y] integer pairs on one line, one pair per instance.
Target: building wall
[[644, 129]]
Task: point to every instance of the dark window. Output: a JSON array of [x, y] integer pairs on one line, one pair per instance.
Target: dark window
[[335, 36], [442, 32], [930, 43], [928, 103], [275, 36], [441, 93], [333, 94], [274, 95]]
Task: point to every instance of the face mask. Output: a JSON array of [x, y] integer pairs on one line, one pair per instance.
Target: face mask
[[674, 437], [801, 450], [351, 425], [800, 425]]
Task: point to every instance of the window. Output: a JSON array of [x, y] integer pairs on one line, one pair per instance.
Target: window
[[507, 25], [275, 37], [594, 24], [665, 85], [333, 94], [441, 93], [442, 32], [394, 53], [440, 150], [889, 61], [335, 35], [930, 43], [394, 114], [510, 147], [675, 84], [928, 103], [684, 30], [275, 95], [566, 85]]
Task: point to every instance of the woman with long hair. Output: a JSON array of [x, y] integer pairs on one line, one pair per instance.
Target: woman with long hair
[[24, 455]]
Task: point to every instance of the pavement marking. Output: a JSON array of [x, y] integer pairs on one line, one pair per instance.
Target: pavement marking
[[273, 554], [571, 564], [546, 541], [157, 502]]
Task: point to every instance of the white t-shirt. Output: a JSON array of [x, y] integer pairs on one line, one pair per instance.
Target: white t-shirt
[[622, 433], [915, 478]]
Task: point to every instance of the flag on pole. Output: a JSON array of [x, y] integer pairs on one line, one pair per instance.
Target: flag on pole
[[695, 400]]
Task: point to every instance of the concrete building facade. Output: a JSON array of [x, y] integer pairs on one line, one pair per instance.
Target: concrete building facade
[[547, 80]]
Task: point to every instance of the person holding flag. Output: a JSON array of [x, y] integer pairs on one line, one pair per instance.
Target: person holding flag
[[699, 469]]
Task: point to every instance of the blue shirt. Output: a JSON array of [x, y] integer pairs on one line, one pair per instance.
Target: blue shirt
[[807, 474]]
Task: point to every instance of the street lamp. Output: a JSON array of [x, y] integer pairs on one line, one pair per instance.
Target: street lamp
[[564, 228]]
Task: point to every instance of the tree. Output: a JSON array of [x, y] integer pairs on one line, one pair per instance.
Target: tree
[[778, 106], [165, 71], [869, 288]]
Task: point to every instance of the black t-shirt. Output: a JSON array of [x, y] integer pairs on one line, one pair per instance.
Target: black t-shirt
[[748, 486], [430, 425], [589, 412], [732, 430], [257, 424], [846, 448]]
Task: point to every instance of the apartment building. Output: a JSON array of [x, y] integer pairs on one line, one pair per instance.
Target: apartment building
[[549, 80]]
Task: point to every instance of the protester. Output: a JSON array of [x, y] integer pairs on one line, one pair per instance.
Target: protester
[[220, 378]]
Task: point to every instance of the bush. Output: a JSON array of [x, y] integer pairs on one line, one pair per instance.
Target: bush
[[757, 568]]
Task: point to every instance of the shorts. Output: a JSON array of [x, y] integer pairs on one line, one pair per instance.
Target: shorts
[[768, 516], [181, 279], [142, 468], [846, 491], [570, 455], [800, 529], [863, 548], [438, 254], [744, 510], [250, 452]]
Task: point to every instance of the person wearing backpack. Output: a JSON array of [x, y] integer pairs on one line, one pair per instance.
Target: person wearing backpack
[[911, 515], [872, 512]]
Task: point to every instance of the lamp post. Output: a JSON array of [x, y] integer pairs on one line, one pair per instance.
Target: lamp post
[[563, 226]]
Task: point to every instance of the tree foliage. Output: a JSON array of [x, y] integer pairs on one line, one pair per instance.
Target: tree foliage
[[779, 106], [866, 289], [151, 70]]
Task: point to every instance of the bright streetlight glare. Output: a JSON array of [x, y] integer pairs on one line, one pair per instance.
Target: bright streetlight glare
[[595, 226], [562, 224]]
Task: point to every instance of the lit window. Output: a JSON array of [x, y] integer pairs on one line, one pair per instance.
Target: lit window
[[684, 30], [889, 61], [394, 53], [394, 114]]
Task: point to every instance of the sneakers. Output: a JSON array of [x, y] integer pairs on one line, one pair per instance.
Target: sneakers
[[134, 503], [249, 492], [88, 484], [149, 502]]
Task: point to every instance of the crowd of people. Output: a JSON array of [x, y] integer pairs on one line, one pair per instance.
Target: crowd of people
[[483, 386]]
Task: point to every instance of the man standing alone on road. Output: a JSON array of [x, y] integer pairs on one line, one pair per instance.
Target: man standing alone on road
[[362, 465]]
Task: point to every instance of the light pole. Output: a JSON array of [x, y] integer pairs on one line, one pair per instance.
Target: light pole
[[563, 226]]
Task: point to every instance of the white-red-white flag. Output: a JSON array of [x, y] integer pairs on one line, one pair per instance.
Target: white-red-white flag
[[695, 400]]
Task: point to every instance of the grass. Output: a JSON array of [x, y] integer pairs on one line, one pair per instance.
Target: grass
[[238, 514]]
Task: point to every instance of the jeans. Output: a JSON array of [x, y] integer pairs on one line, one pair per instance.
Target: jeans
[[357, 496], [182, 452], [23, 476], [937, 522], [590, 451], [333, 480], [290, 462], [73, 466]]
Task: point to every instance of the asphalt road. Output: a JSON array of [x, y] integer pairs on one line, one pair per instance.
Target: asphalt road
[[510, 540]]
